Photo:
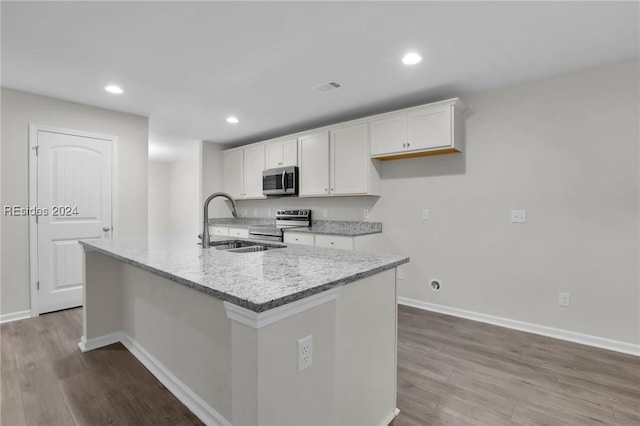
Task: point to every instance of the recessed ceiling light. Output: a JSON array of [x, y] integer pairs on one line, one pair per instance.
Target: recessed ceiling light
[[232, 120], [411, 58], [116, 90]]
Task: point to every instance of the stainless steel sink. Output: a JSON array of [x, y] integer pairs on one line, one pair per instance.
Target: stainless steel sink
[[226, 245], [240, 246]]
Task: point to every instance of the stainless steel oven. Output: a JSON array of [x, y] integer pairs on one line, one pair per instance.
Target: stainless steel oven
[[280, 181], [285, 219]]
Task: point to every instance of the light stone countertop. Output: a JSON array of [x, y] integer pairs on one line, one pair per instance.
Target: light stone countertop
[[329, 227], [256, 281]]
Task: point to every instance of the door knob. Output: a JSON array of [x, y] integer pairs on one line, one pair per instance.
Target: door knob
[[106, 229]]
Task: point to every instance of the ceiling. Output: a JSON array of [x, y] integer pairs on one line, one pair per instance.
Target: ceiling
[[189, 65]]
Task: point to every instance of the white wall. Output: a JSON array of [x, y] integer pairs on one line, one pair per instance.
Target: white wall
[[159, 198], [564, 148], [174, 194], [213, 179], [19, 109]]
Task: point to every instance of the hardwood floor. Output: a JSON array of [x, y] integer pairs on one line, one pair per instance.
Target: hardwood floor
[[451, 371], [47, 381], [454, 371]]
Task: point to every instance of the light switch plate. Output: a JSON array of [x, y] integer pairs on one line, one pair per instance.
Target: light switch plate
[[425, 214], [518, 216]]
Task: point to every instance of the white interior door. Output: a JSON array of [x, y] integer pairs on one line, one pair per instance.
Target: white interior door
[[74, 185]]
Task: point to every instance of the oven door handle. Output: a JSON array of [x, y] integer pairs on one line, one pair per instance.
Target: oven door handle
[[284, 173]]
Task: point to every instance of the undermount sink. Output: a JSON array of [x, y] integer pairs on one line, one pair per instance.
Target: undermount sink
[[239, 246]]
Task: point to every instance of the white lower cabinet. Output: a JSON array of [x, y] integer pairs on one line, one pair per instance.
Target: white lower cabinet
[[226, 231], [367, 243], [335, 241], [218, 230], [299, 238], [239, 232]]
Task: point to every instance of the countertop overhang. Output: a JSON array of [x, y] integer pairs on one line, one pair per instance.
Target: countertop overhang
[[256, 281]]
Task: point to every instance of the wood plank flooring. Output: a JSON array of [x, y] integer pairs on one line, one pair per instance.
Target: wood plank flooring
[[454, 371], [451, 371], [47, 380]]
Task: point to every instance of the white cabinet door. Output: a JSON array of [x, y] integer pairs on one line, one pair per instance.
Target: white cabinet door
[[282, 154], [253, 167], [313, 156], [273, 155], [429, 128], [334, 241], [239, 232], [350, 161], [290, 153], [299, 238], [389, 134], [218, 230], [233, 164]]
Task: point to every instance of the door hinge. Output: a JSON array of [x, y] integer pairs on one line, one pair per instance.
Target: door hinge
[[38, 285], [36, 148], [36, 219]]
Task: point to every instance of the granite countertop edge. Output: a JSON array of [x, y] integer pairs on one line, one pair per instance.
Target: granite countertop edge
[[325, 227], [255, 307]]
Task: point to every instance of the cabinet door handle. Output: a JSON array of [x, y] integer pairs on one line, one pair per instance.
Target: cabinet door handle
[[326, 190], [404, 145], [408, 144], [332, 243]]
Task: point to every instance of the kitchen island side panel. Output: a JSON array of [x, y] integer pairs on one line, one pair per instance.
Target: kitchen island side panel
[[102, 305], [187, 331], [366, 348]]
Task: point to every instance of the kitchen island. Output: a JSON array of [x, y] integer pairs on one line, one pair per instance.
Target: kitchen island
[[221, 329]]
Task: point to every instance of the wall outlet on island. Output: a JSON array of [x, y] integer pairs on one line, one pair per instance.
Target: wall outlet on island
[[305, 353]]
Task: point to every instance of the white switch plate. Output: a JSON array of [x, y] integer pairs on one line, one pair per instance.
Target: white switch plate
[[564, 299], [366, 213], [325, 213], [425, 214], [518, 216], [305, 353], [400, 273]]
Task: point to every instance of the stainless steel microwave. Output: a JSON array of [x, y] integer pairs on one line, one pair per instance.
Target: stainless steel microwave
[[280, 181]]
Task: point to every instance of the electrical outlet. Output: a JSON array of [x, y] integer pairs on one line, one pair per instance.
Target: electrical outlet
[[305, 353], [400, 273], [366, 213], [325, 213], [518, 216], [425, 214], [564, 299]]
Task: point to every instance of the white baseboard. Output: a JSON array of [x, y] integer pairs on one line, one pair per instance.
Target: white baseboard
[[15, 316], [193, 402], [98, 342], [558, 333], [390, 417]]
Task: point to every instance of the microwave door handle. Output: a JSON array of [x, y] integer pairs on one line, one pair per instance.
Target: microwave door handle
[[284, 173]]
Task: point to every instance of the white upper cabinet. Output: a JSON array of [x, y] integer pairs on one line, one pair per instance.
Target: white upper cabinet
[[313, 160], [343, 159], [233, 165], [352, 171], [282, 154], [243, 172], [388, 134], [427, 130], [253, 167]]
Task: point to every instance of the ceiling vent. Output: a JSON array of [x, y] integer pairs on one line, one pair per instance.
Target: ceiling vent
[[325, 87]]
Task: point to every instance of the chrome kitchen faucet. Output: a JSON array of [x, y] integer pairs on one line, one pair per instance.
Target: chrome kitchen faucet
[[205, 229]]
